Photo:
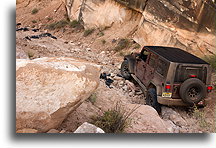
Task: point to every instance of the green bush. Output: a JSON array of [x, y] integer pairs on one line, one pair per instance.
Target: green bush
[[30, 53], [114, 120], [103, 41], [100, 34], [200, 116], [34, 21], [211, 60], [57, 25], [137, 46], [123, 43], [49, 18], [123, 53], [34, 11], [88, 32], [74, 24], [93, 98]]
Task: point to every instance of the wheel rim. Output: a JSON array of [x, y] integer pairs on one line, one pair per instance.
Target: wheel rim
[[125, 70], [194, 93]]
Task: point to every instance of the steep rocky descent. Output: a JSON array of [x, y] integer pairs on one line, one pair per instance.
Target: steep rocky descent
[[48, 89], [71, 43]]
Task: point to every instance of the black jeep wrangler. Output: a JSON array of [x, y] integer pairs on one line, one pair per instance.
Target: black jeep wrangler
[[169, 76]]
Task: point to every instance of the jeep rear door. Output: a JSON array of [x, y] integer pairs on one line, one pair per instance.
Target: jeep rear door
[[185, 71]]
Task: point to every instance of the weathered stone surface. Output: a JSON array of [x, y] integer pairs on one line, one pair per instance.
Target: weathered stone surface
[[186, 24], [145, 119], [48, 89], [193, 15], [27, 130], [169, 114], [88, 128], [20, 54], [88, 10], [53, 131]]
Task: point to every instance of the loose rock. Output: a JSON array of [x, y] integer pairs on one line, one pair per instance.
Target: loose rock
[[88, 128]]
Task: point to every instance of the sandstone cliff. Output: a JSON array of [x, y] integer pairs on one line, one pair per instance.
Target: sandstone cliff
[[188, 24]]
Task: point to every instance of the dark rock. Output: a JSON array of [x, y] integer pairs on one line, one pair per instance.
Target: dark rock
[[103, 76], [18, 24], [35, 30], [19, 29], [119, 75], [114, 41], [53, 37], [108, 82], [22, 29], [25, 29], [34, 37], [28, 38], [45, 35]]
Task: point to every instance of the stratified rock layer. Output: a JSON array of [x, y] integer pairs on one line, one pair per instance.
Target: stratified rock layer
[[186, 24]]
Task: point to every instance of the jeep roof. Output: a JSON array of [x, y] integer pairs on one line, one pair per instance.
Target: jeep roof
[[175, 55]]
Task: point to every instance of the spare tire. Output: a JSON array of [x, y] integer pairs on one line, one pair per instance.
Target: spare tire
[[192, 91]]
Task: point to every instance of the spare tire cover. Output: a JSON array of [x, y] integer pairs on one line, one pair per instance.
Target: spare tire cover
[[192, 91]]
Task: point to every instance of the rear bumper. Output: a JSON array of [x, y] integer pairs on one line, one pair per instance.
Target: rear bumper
[[177, 102]]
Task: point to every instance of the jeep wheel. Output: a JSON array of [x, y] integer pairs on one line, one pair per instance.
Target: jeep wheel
[[151, 100], [192, 91], [125, 70]]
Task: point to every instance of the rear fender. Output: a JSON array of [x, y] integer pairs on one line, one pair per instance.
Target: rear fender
[[156, 87], [131, 61]]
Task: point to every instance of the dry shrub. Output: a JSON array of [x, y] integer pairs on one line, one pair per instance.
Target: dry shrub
[[211, 60], [88, 32], [123, 43], [34, 11], [114, 120]]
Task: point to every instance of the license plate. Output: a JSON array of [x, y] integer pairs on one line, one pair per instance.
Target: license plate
[[166, 94]]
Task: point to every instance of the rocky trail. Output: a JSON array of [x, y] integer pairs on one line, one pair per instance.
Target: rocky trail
[[99, 47], [107, 94]]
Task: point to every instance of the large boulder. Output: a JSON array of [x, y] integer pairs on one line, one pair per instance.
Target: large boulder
[[48, 89], [145, 119]]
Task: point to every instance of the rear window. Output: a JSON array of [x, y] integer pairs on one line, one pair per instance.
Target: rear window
[[162, 67], [152, 60], [185, 72]]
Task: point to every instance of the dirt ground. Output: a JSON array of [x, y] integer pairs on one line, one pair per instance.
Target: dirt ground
[[98, 48]]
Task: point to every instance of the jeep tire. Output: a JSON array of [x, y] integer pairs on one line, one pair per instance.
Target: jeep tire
[[125, 70], [151, 99], [192, 91]]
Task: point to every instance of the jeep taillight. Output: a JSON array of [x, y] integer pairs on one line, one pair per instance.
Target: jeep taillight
[[192, 76], [167, 87], [209, 88]]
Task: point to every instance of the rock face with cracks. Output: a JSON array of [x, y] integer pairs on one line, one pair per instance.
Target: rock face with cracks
[[186, 24], [48, 89]]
